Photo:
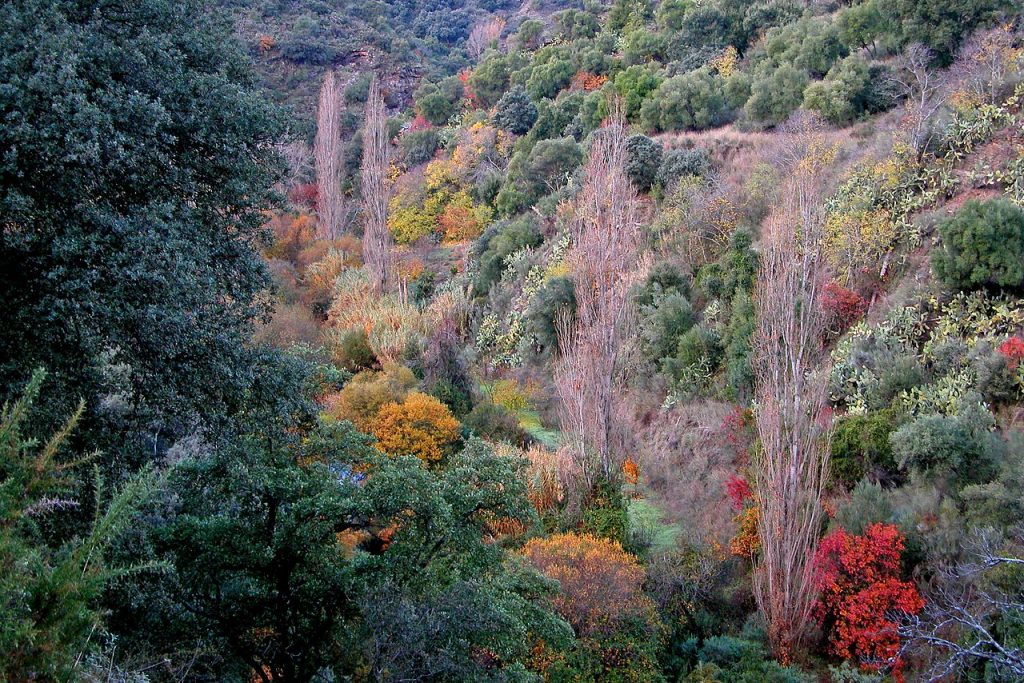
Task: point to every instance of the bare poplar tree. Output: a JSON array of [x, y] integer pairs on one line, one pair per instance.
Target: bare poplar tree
[[791, 403], [375, 191], [605, 229], [328, 155]]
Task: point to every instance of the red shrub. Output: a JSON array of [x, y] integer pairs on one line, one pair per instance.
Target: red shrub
[[842, 306], [1013, 350], [303, 195], [739, 492], [861, 590]]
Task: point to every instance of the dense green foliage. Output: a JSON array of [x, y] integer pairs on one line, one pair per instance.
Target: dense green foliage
[[982, 246]]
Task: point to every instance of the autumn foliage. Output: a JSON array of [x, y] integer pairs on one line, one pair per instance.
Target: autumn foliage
[[600, 582], [861, 592], [1013, 350], [842, 306], [420, 425]]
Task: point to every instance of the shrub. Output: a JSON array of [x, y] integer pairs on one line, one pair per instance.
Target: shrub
[[842, 307], [420, 426], [775, 96], [960, 446], [548, 79], [842, 96], [555, 299], [739, 373], [361, 399], [493, 422], [496, 244], [682, 163], [868, 504], [668, 320], [601, 584], [690, 101], [860, 588], [418, 146], [515, 111], [643, 159], [353, 351], [860, 446], [982, 246], [696, 359], [437, 103], [604, 512], [634, 85]]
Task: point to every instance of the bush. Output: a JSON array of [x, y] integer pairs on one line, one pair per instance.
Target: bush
[[418, 146], [860, 446], [496, 244], [670, 318], [353, 351], [681, 163], [634, 85], [420, 426], [493, 422], [957, 447], [775, 96], [438, 102], [556, 298], [982, 247], [690, 101], [361, 399], [515, 112], [697, 357], [548, 79], [643, 159], [739, 373], [842, 96]]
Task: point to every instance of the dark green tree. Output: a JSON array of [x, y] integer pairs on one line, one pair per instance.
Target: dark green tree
[[982, 246], [515, 112], [643, 159], [137, 168]]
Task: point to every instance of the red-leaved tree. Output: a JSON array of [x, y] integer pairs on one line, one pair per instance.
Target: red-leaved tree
[[862, 594]]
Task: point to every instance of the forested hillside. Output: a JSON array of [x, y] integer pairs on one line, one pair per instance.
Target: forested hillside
[[357, 341]]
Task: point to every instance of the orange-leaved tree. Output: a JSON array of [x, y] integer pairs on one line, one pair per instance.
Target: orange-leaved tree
[[862, 594], [602, 598], [420, 425]]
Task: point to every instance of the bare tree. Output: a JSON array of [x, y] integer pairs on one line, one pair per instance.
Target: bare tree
[[298, 158], [605, 229], [925, 89], [791, 403], [989, 63], [483, 35], [375, 191], [328, 154], [958, 622]]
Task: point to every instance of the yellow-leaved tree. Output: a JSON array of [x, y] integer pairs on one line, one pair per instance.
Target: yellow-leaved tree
[[420, 425]]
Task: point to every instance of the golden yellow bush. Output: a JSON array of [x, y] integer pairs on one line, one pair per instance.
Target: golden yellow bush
[[421, 426]]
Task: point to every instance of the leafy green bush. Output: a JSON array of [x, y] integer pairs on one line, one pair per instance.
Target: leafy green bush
[[773, 97], [690, 101], [959, 447], [982, 246], [515, 112], [681, 163], [353, 351], [556, 298], [860, 446], [635, 85], [697, 357], [841, 97], [438, 102], [418, 146], [643, 159], [739, 335], [498, 242], [605, 513], [664, 325]]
